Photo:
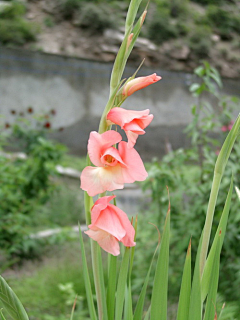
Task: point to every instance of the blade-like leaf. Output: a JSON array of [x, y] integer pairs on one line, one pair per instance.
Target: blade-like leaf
[[147, 315], [1, 315], [73, 308], [111, 289], [184, 298], [160, 285], [139, 307], [218, 173], [131, 15], [213, 285], [122, 280], [88, 288], [128, 312], [211, 257], [11, 302], [195, 306]]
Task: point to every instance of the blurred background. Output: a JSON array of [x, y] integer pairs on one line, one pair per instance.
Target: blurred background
[[55, 64]]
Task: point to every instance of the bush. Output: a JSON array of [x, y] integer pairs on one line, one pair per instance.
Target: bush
[[222, 20], [96, 17], [25, 186], [200, 41], [69, 7], [160, 28], [17, 31], [13, 10]]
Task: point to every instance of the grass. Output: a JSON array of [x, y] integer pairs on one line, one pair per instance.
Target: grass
[[37, 284]]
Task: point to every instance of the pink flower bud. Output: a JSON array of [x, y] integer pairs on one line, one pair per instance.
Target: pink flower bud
[[139, 83]]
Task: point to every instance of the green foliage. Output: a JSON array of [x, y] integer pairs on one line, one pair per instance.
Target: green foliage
[[12, 10], [222, 20], [25, 187], [96, 17], [160, 28], [17, 31], [69, 7], [200, 41], [188, 174], [37, 284], [13, 28]]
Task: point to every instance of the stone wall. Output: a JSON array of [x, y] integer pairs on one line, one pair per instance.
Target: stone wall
[[78, 90]]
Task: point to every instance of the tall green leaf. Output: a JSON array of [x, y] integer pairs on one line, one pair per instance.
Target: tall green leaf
[[111, 289], [195, 306], [211, 257], [213, 284], [140, 304], [184, 298], [88, 288], [122, 281], [11, 302], [160, 285]]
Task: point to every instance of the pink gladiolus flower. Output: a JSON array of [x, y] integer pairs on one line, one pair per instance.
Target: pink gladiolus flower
[[139, 83], [113, 167], [109, 226], [132, 122]]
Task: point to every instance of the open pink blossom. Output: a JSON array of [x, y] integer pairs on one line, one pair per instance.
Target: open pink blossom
[[114, 167], [131, 121], [139, 83], [109, 226]]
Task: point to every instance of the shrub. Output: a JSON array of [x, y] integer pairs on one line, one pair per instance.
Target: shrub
[[200, 41], [222, 20], [69, 7], [17, 31], [160, 28], [96, 17], [13, 10]]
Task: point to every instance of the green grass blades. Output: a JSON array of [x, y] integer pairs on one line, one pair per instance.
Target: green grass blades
[[160, 285], [210, 311], [122, 281], [184, 298], [1, 315], [111, 289], [91, 307], [195, 306], [10, 302], [211, 257], [128, 312]]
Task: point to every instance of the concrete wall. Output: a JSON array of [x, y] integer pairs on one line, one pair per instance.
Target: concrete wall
[[78, 90]]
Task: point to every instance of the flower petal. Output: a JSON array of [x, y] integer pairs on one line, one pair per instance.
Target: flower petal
[[122, 116], [135, 170], [105, 240], [98, 143], [96, 180]]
